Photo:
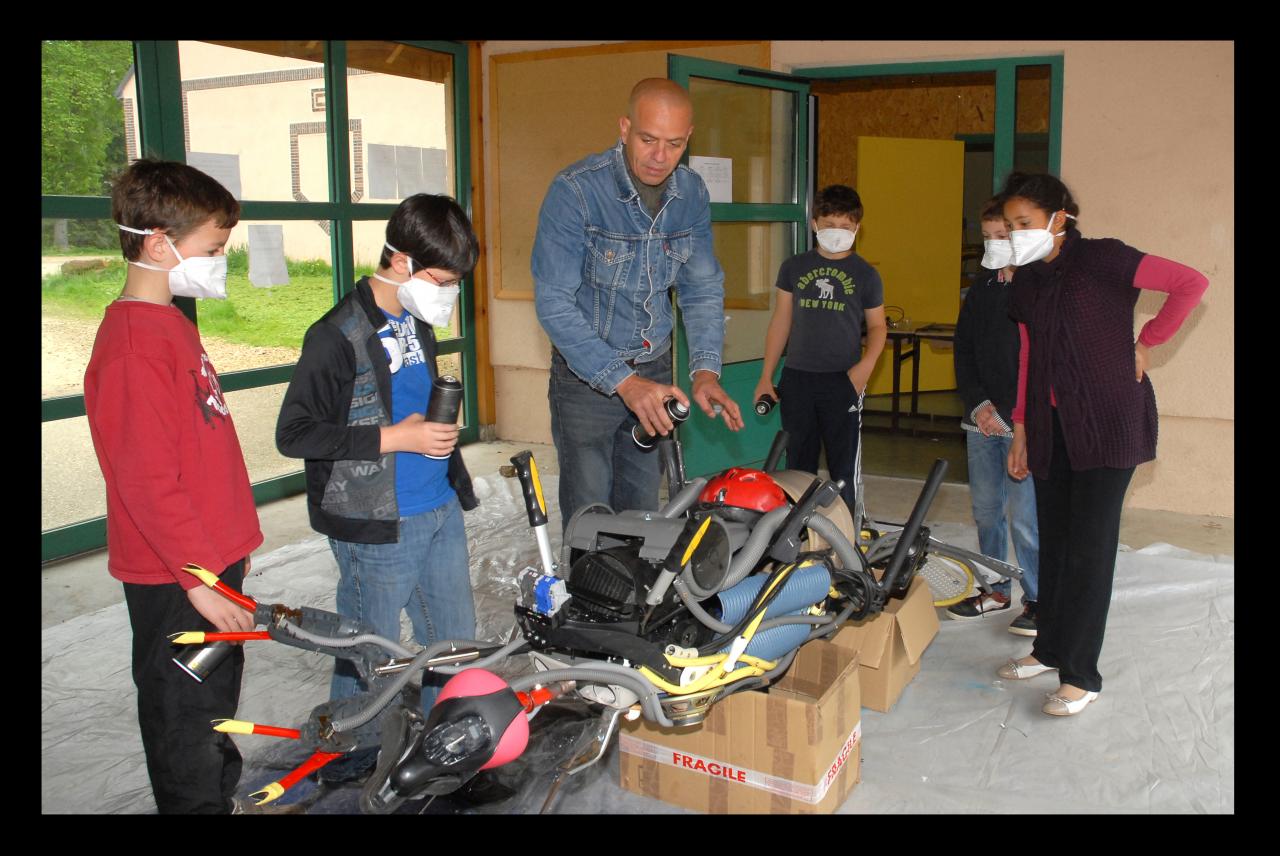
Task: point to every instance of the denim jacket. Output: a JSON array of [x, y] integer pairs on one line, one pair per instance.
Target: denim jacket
[[602, 267]]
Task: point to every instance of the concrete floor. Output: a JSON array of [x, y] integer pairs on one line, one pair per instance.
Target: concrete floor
[[81, 585]]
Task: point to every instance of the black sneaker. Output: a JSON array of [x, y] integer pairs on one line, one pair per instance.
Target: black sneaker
[[979, 606], [1025, 624]]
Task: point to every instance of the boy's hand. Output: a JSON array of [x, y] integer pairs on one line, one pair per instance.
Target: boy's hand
[[218, 611], [707, 391], [765, 387], [859, 375], [415, 434], [986, 420]]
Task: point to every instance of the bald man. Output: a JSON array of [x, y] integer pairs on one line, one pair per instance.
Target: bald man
[[616, 232]]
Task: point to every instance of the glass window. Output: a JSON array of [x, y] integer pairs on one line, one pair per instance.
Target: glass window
[[86, 107], [750, 254], [400, 104], [255, 412], [77, 281], [71, 485], [248, 110], [754, 129], [279, 281]]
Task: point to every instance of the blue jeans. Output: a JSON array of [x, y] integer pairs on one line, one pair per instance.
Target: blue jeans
[[599, 462], [425, 572], [995, 495]]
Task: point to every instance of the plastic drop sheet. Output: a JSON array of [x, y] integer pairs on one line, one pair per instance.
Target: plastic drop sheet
[[1160, 738]]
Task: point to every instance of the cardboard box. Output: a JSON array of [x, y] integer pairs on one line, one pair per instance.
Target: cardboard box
[[890, 645], [793, 750]]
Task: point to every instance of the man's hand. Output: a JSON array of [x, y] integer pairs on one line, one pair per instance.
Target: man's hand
[[1141, 359], [708, 392], [220, 612], [415, 434], [645, 399], [986, 420], [1017, 462], [765, 387]]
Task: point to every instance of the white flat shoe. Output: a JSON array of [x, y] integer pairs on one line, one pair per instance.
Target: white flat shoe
[[1015, 671], [1059, 706]]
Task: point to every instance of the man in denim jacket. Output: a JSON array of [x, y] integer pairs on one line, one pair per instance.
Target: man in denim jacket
[[616, 230]]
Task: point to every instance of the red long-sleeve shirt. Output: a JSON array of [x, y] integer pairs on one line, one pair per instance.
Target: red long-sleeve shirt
[[177, 487]]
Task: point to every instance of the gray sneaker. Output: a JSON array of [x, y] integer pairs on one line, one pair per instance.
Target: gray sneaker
[[1025, 624]]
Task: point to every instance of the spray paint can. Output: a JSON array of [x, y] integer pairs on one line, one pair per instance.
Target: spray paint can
[[446, 400], [678, 413], [200, 661], [765, 403]]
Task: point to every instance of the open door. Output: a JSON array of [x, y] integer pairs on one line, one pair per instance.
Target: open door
[[751, 141], [913, 193]]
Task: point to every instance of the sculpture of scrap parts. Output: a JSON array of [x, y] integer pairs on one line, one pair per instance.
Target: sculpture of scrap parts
[[654, 614]]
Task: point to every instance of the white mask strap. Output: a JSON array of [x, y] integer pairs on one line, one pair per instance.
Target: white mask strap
[[172, 246]]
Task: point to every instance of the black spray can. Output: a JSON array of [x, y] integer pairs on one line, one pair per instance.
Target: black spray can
[[765, 403], [200, 661], [446, 400], [678, 413]]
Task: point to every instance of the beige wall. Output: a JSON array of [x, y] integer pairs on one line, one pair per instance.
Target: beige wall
[[1148, 146], [1148, 150]]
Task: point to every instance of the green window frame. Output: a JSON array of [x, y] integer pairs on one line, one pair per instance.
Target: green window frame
[[156, 64]]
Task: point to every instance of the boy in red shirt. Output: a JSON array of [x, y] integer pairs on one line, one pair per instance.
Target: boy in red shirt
[[177, 488]]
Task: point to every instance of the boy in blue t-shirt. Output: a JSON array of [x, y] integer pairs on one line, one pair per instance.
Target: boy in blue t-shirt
[[385, 485], [824, 298]]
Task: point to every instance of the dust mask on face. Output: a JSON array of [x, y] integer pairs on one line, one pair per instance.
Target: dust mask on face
[[836, 240], [998, 254], [424, 300], [196, 276], [1031, 245]]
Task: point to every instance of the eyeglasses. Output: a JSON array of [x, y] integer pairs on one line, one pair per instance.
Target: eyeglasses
[[439, 282]]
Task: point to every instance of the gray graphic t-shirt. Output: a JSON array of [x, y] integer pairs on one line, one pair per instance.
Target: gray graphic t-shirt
[[828, 301]]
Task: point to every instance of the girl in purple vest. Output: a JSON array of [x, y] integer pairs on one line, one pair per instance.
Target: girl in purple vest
[[1085, 417]]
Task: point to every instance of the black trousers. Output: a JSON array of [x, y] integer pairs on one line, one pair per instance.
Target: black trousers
[[193, 769], [819, 410], [1079, 516]]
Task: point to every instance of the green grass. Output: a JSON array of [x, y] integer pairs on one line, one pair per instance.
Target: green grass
[[260, 317]]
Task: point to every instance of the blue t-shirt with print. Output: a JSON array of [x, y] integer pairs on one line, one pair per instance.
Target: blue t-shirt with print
[[422, 483]]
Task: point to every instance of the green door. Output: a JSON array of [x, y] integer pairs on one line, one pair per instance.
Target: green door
[[751, 139]]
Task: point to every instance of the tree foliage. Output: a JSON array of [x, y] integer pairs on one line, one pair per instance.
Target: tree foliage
[[81, 120]]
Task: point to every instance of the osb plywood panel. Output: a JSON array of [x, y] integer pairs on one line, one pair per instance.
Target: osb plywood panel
[[928, 107], [552, 110]]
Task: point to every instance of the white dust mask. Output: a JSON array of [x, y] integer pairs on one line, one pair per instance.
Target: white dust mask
[[836, 240], [998, 254], [196, 276], [424, 300], [1031, 245]]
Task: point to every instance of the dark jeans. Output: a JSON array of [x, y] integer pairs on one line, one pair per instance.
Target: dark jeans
[[1078, 512], [820, 409], [193, 769], [599, 462]]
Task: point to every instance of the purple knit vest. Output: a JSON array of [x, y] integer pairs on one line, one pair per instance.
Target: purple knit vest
[[1079, 315]]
